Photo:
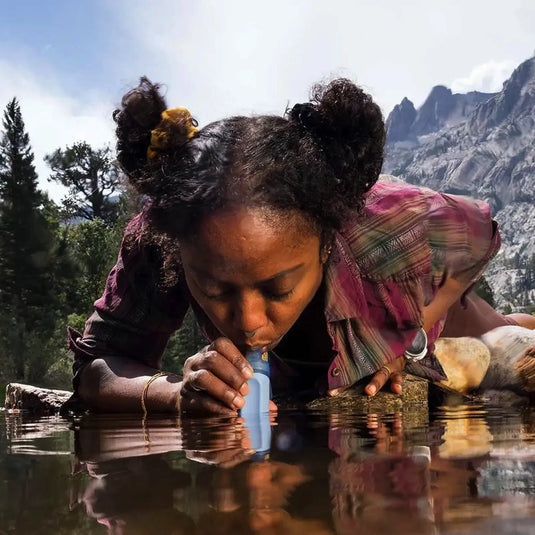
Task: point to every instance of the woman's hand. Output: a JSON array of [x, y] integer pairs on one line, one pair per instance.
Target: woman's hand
[[390, 372], [215, 379]]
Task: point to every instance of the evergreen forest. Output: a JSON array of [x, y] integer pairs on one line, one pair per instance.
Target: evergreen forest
[[54, 258]]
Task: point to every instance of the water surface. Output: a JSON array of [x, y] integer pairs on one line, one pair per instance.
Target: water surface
[[467, 469]]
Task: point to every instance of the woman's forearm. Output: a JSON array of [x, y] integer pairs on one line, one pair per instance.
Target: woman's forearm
[[116, 384], [448, 293]]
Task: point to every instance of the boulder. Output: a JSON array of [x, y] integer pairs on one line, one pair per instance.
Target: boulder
[[512, 359], [465, 361]]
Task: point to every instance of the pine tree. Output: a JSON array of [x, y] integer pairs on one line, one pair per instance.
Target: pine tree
[[91, 177], [25, 247], [483, 290]]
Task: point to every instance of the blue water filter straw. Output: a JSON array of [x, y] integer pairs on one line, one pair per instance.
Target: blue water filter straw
[[256, 409]]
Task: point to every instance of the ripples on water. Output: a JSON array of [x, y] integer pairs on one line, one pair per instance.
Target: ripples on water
[[464, 469]]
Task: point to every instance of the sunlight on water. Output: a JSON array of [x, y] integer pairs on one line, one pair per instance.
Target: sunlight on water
[[465, 469]]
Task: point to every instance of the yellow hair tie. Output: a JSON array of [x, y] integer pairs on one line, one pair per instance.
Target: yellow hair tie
[[175, 129]]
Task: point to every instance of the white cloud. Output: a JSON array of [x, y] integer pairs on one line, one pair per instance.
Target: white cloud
[[221, 58], [54, 119], [488, 77]]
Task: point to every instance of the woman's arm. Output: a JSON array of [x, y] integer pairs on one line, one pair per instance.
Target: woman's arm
[[215, 381], [450, 292], [116, 384]]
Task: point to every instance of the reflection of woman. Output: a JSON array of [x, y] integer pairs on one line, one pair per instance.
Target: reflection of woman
[[145, 493], [276, 233], [135, 495]]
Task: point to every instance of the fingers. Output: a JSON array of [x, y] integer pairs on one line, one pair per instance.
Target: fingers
[[391, 372], [224, 360], [204, 381], [215, 379], [193, 402], [227, 349], [377, 382], [396, 382]]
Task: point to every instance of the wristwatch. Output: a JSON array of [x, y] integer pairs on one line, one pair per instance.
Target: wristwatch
[[418, 349]]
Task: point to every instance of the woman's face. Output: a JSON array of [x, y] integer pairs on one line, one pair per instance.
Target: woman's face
[[249, 275]]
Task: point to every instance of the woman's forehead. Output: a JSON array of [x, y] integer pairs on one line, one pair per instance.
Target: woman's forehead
[[248, 241], [242, 226]]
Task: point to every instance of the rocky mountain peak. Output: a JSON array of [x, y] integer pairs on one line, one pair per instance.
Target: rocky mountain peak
[[400, 120], [442, 108], [517, 96], [434, 111]]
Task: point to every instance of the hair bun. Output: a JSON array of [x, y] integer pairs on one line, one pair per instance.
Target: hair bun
[[139, 114], [349, 127], [306, 115]]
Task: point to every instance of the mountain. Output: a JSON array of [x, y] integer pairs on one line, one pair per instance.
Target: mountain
[[441, 109], [481, 145]]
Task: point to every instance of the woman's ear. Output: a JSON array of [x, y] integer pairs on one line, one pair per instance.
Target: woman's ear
[[325, 252]]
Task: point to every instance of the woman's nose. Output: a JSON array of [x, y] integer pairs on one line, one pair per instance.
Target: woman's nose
[[250, 313]]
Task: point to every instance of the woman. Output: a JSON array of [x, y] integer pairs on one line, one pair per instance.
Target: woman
[[275, 232]]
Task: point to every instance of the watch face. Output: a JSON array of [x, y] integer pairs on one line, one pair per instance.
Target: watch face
[[419, 343], [418, 348]]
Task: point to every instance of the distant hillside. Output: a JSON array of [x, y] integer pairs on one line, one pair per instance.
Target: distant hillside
[[482, 145]]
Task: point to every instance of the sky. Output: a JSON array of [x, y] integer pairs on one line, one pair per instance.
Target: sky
[[69, 61]]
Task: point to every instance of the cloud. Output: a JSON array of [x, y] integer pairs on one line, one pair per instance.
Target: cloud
[[241, 57], [222, 58], [54, 119], [487, 78]]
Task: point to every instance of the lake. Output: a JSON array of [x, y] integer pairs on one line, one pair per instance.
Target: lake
[[464, 469]]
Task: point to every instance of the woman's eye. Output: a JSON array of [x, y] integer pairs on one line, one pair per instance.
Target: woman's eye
[[215, 293], [278, 296], [217, 296]]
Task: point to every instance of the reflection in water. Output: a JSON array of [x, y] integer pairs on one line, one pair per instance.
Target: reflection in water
[[468, 470], [466, 433], [135, 495]]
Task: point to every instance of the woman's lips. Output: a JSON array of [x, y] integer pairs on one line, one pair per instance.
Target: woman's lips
[[264, 346]]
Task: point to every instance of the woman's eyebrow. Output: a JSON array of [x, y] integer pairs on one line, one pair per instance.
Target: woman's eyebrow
[[281, 274], [288, 271]]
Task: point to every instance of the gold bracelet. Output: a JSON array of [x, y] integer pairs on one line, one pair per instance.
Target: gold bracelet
[[146, 387]]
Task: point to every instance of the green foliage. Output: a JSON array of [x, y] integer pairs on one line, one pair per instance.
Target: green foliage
[[52, 272], [93, 247], [507, 309], [26, 249], [92, 179], [183, 344]]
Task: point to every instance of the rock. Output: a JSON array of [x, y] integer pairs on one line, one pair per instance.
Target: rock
[[465, 361], [502, 359], [509, 358], [400, 120], [441, 109], [414, 396], [41, 401]]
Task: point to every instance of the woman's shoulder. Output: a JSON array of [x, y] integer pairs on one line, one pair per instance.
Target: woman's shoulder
[[388, 237]]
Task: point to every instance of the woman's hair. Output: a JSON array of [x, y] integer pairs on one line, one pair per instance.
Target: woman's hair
[[318, 160]]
